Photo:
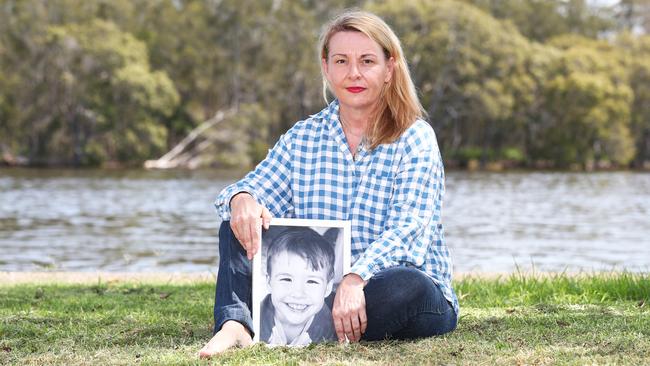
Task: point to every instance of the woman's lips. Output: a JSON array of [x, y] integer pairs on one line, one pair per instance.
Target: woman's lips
[[355, 89]]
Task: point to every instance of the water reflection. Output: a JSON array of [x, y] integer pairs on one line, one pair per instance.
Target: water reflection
[[164, 221]]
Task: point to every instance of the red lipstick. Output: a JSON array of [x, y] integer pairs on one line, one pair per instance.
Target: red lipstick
[[355, 89]]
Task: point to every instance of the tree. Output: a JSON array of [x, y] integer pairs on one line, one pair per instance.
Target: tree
[[636, 59], [541, 20], [586, 107], [83, 82], [634, 15], [90, 96], [470, 69]]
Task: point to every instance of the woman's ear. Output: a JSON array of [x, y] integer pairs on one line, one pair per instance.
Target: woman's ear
[[323, 65], [390, 66]]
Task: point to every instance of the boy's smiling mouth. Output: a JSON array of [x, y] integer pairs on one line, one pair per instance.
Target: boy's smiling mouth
[[296, 307]]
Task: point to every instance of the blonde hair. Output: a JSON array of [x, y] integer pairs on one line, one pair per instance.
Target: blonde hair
[[399, 105]]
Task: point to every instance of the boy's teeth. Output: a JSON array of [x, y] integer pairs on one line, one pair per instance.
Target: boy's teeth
[[298, 307]]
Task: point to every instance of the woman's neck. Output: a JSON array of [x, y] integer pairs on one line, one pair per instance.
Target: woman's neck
[[355, 126], [354, 121]]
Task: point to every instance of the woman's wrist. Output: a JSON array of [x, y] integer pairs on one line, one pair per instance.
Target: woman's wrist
[[354, 279], [239, 196]]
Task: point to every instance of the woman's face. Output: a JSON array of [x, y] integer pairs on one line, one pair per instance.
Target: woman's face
[[357, 70]]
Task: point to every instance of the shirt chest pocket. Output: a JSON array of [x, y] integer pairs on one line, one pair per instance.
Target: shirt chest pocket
[[378, 183]]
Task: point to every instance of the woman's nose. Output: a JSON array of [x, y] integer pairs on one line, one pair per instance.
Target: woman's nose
[[353, 71]]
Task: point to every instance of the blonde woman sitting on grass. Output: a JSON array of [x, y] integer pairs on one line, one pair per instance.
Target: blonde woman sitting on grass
[[370, 158]]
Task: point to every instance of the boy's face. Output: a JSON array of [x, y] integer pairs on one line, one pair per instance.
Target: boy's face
[[297, 291]]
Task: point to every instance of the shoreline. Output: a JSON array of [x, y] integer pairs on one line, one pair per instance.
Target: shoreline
[[21, 278]]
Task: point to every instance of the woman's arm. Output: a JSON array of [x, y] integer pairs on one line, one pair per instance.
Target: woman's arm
[[268, 183], [414, 213], [262, 193]]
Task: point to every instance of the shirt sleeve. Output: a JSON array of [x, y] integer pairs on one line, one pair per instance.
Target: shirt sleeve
[[269, 183], [414, 211]]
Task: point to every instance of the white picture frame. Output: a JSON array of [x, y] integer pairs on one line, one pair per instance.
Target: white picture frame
[[338, 234]]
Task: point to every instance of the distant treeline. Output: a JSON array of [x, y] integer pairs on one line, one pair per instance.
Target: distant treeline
[[529, 83]]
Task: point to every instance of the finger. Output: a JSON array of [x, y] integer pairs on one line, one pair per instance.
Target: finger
[[253, 228], [266, 218], [240, 235], [340, 332], [249, 248], [363, 319], [347, 328], [356, 329]]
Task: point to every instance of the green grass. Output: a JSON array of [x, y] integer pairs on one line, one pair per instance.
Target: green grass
[[549, 319]]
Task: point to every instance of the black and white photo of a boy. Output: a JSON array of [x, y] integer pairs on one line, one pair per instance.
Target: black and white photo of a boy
[[299, 276]]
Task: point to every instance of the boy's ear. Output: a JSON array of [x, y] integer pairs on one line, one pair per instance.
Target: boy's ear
[[268, 283], [330, 284], [331, 234]]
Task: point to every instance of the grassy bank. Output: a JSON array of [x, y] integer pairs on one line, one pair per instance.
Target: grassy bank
[[552, 319]]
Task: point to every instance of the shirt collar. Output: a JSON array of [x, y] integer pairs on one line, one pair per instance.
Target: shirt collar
[[330, 117], [330, 114]]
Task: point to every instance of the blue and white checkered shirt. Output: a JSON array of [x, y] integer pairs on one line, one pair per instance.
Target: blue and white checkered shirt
[[392, 195]]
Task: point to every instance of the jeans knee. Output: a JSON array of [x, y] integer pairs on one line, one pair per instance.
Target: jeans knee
[[407, 288], [402, 284], [405, 303]]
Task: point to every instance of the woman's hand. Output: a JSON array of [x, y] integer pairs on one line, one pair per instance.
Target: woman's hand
[[349, 310], [246, 216]]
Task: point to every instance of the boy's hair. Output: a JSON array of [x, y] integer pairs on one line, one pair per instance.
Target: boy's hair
[[306, 243]]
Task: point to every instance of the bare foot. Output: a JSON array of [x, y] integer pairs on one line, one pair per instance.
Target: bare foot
[[231, 334]]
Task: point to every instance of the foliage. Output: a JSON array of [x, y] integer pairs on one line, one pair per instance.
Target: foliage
[[84, 93], [542, 20], [636, 59], [240, 140], [470, 69], [587, 103], [91, 82]]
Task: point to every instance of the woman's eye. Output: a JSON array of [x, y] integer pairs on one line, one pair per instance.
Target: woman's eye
[[339, 62], [368, 61]]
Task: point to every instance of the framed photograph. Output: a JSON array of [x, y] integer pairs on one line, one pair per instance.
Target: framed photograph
[[295, 277]]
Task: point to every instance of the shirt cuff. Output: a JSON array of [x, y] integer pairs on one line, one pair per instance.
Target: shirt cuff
[[223, 204], [365, 268]]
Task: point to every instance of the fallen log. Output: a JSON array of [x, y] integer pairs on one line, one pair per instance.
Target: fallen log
[[183, 155]]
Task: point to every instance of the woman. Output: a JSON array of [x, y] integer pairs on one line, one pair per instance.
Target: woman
[[368, 157]]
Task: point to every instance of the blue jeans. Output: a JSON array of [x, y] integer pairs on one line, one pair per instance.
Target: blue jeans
[[401, 302]]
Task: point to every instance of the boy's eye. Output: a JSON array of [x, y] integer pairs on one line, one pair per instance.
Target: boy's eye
[[312, 282], [285, 279]]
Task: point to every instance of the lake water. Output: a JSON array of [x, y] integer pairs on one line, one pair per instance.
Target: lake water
[[88, 220]]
